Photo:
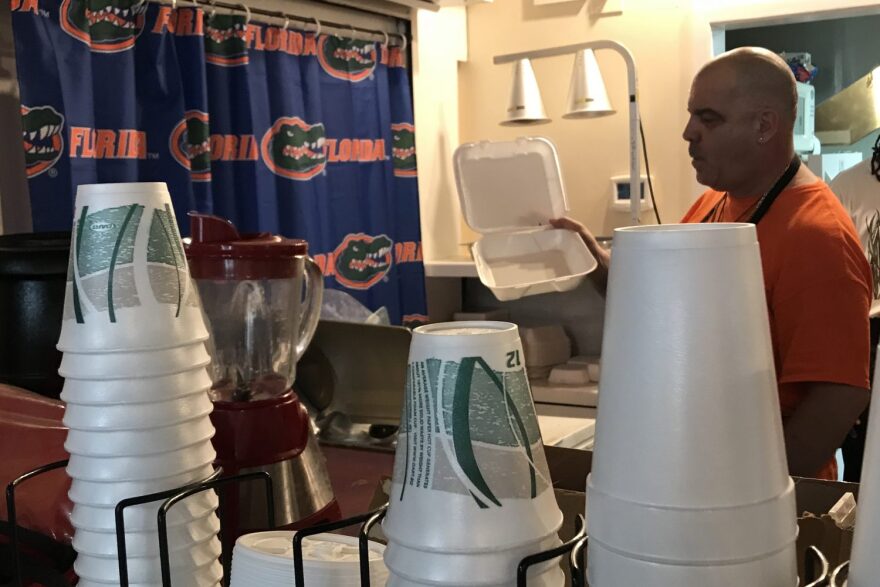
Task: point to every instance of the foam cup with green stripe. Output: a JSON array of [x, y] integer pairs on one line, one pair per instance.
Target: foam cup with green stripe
[[470, 474], [128, 283]]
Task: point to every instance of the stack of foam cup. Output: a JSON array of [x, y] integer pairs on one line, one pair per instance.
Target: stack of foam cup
[[265, 559], [689, 484], [471, 494], [864, 569], [136, 388]]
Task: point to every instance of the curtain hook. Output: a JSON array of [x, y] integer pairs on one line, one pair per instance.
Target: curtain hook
[[386, 40], [173, 5], [317, 26], [402, 42], [286, 22], [212, 4], [247, 12]]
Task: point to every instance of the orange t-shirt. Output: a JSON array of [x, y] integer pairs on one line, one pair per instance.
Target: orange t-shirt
[[818, 287]]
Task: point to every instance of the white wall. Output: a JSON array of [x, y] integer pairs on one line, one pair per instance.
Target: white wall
[[439, 45]]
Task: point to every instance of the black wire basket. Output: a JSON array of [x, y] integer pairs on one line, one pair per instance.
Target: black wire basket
[[816, 569]]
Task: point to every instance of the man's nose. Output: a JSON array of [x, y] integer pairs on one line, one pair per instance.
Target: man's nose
[[690, 133]]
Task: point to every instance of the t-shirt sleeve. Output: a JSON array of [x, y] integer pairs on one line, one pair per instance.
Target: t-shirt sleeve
[[820, 310]]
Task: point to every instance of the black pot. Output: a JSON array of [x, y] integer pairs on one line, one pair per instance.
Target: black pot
[[33, 271]]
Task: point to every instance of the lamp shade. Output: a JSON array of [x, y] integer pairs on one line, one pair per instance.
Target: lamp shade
[[526, 106], [587, 97]]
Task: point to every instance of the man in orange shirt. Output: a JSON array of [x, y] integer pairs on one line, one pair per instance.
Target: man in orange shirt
[[742, 108]]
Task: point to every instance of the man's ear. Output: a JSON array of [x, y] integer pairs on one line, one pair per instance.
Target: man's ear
[[768, 124]]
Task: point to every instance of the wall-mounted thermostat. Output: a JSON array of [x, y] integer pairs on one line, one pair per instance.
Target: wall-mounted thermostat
[[620, 192]]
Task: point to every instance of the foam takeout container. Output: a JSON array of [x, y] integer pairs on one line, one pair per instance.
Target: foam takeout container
[[509, 191]]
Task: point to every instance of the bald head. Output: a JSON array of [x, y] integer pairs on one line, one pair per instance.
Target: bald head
[[758, 77], [742, 108]]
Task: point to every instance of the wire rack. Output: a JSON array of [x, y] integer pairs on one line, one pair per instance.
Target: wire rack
[[168, 498], [816, 567]]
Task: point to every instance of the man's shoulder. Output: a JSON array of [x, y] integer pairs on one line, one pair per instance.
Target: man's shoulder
[[814, 210], [814, 228]]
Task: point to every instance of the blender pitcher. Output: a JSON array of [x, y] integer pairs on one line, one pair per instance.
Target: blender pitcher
[[262, 297]]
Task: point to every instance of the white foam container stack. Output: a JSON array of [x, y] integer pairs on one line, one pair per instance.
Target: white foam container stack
[[509, 191]]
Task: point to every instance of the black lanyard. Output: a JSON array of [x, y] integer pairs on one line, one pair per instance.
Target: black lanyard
[[767, 199]]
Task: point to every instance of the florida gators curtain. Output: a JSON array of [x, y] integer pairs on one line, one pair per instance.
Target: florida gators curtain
[[276, 129]]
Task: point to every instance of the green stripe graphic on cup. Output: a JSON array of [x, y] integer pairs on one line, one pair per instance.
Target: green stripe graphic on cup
[[405, 429], [523, 436], [461, 430], [486, 389], [115, 256], [77, 307], [493, 427], [492, 439], [106, 241], [164, 248]]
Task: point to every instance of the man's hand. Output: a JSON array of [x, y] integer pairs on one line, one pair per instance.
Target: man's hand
[[600, 275], [818, 427]]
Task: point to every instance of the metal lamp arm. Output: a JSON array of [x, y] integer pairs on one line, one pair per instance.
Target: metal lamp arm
[[635, 200]]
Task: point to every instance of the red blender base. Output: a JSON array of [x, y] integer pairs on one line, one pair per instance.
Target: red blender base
[[265, 434]]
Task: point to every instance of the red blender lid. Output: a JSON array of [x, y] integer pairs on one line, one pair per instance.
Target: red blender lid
[[216, 250]]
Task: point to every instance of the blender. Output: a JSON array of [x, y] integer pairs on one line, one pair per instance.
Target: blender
[[261, 296]]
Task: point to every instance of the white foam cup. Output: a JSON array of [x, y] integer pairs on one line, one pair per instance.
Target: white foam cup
[[864, 568], [143, 518], [128, 283], [689, 473], [186, 566], [688, 390], [552, 577], [153, 416], [134, 364], [470, 474], [611, 569], [115, 443], [146, 543], [480, 568], [142, 468], [136, 390], [109, 493]]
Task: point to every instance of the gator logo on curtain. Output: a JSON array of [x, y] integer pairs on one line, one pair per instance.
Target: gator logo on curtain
[[106, 26], [226, 40], [348, 59], [362, 260], [403, 150], [42, 138], [294, 149], [190, 145]]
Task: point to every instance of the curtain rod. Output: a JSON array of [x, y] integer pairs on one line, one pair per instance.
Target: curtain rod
[[281, 15]]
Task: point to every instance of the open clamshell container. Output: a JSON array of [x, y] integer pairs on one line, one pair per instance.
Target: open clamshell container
[[509, 191]]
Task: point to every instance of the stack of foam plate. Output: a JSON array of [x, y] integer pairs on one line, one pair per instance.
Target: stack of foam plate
[[265, 559]]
